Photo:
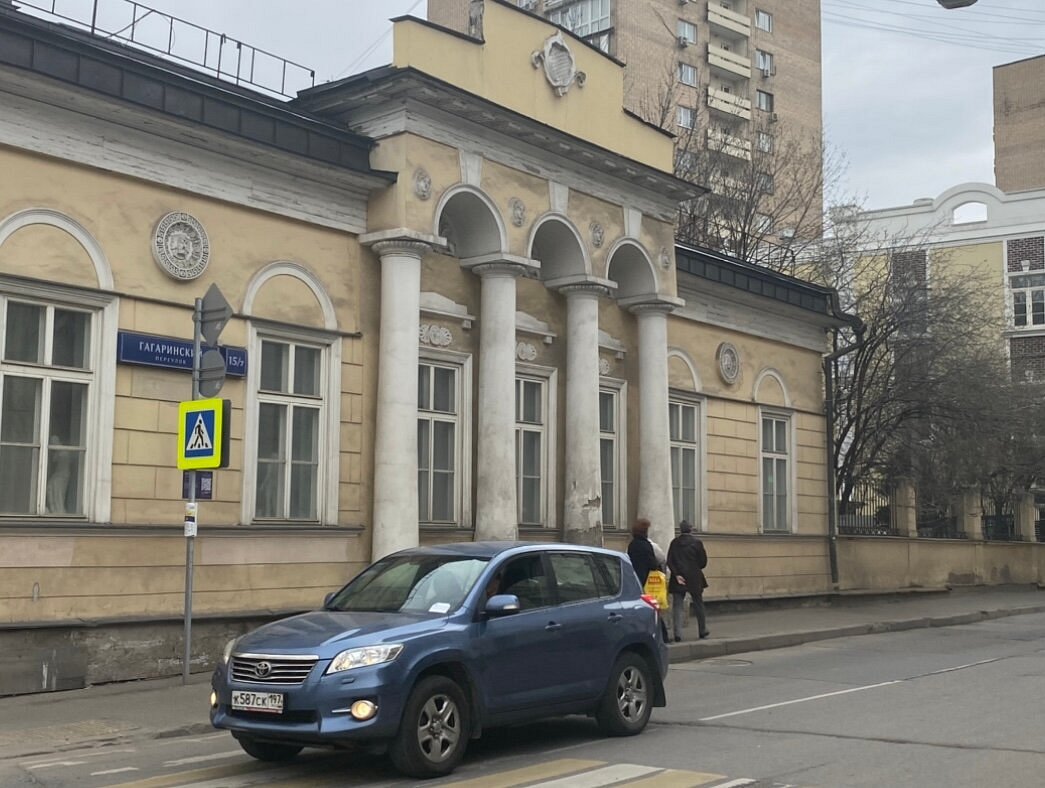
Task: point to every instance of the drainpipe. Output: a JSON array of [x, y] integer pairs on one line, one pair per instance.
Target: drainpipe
[[829, 406]]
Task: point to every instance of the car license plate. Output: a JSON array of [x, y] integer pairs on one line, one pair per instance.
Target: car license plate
[[271, 702]]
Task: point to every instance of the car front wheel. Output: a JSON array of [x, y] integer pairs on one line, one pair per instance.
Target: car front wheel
[[626, 707], [434, 731], [268, 751]]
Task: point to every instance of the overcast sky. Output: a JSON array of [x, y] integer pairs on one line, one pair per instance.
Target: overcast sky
[[907, 85]]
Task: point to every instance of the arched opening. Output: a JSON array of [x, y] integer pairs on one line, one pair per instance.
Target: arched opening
[[630, 268], [558, 247], [969, 212], [470, 224]]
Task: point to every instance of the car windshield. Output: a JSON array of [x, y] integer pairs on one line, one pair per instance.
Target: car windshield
[[421, 584]]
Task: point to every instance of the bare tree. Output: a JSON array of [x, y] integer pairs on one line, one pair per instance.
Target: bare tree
[[766, 179]]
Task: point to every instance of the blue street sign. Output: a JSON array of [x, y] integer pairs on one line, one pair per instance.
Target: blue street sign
[[169, 353]]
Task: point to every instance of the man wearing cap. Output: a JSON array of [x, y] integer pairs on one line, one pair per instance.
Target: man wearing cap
[[686, 560]]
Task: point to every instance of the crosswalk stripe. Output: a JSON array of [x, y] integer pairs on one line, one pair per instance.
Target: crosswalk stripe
[[239, 780], [737, 783], [674, 778], [608, 775], [528, 774]]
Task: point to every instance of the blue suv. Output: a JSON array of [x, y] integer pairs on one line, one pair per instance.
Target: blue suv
[[429, 646]]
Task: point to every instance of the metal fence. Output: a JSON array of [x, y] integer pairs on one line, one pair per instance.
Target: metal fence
[[933, 526], [867, 512], [130, 22], [1039, 530]]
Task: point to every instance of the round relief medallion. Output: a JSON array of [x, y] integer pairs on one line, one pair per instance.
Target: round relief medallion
[[728, 363], [180, 246]]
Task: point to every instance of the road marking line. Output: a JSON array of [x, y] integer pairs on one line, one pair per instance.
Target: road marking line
[[115, 771], [217, 756], [608, 775], [187, 778], [737, 783], [528, 774], [49, 764], [675, 778], [265, 775], [800, 700], [94, 753]]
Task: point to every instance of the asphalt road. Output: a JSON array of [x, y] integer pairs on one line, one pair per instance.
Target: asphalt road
[[955, 706]]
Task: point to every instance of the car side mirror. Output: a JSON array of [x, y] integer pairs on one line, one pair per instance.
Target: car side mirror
[[327, 598], [501, 605]]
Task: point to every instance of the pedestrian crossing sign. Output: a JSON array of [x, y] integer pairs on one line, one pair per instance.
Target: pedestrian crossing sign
[[203, 434]]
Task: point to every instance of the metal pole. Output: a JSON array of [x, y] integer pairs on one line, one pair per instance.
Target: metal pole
[[190, 506]]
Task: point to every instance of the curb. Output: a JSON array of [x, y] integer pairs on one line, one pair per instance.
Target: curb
[[193, 729], [686, 652]]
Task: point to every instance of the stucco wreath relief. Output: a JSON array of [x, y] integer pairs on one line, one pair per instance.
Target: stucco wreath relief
[[728, 363], [180, 246], [559, 66]]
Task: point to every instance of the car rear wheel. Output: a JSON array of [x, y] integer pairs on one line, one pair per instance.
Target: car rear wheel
[[268, 751], [434, 731], [626, 707]]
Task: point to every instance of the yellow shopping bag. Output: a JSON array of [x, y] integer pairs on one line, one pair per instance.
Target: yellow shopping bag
[[657, 587]]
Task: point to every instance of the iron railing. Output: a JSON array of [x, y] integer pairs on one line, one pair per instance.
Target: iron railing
[[1039, 530], [146, 28], [1001, 528], [867, 512], [935, 527]]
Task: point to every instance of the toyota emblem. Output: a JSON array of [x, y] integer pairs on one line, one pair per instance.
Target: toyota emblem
[[262, 669]]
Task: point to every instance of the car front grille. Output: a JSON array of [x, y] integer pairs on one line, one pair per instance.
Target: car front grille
[[265, 669]]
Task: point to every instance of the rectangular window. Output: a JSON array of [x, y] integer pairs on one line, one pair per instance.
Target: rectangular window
[[686, 31], [438, 425], [45, 387], [764, 21], [584, 18], [764, 100], [765, 62], [684, 439], [610, 456], [530, 447], [688, 74], [1028, 300], [290, 412], [765, 142], [776, 473], [765, 182], [687, 117]]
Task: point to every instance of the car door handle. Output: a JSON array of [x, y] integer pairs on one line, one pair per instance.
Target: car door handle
[[615, 618], [553, 625]]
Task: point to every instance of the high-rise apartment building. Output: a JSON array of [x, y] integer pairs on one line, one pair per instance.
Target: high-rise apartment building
[[729, 75], [1019, 125]]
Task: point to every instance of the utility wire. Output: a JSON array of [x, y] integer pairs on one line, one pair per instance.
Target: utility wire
[[378, 42]]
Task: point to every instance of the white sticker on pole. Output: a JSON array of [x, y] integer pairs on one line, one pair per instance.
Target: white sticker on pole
[[190, 518]]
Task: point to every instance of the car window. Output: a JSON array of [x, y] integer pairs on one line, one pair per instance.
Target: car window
[[607, 574], [411, 584], [574, 577], [525, 577]]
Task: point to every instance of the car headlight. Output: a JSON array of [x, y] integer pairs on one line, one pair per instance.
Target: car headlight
[[227, 653], [363, 657]]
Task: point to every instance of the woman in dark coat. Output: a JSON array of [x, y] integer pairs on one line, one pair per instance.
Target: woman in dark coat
[[686, 560], [644, 560], [640, 550]]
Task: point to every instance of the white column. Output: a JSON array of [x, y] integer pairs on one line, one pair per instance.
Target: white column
[[395, 521], [496, 508], [655, 500], [582, 508]]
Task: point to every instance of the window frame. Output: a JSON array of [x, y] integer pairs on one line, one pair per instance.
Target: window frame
[[99, 411], [619, 389], [686, 69], [778, 415], [329, 448], [549, 378], [683, 30], [682, 112], [463, 483], [1030, 295], [763, 20], [765, 101], [764, 61], [688, 399]]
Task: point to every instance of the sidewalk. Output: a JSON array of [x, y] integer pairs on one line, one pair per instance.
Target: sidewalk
[[57, 721]]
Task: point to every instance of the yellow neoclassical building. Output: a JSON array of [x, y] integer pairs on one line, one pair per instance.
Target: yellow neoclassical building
[[459, 313]]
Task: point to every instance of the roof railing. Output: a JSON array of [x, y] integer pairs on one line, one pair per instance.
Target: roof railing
[[146, 28]]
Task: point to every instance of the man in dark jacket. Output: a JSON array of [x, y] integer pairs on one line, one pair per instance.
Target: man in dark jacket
[[686, 561]]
